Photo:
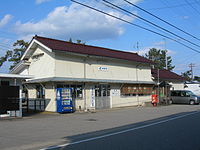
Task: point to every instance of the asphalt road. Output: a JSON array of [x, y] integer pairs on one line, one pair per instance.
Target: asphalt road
[[175, 132], [123, 128]]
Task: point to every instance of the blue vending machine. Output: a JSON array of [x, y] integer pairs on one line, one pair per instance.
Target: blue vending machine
[[64, 100]]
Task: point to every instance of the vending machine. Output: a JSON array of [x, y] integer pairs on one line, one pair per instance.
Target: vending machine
[[64, 100]]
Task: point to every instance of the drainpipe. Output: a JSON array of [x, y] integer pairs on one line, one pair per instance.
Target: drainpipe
[[85, 103], [43, 88], [137, 95], [158, 84]]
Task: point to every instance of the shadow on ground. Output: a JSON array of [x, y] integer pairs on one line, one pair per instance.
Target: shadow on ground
[[89, 141]]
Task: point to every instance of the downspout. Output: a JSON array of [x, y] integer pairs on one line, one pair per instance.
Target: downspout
[[43, 88], [137, 95], [158, 84], [85, 103]]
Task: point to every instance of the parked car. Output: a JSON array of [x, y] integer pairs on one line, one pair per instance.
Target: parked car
[[184, 97]]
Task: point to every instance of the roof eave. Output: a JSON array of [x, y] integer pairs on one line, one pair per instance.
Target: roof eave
[[32, 46]]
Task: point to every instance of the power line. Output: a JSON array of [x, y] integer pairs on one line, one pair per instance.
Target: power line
[[193, 7], [135, 25], [180, 11], [173, 6], [5, 46], [162, 20], [151, 23]]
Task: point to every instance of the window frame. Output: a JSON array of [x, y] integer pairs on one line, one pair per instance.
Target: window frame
[[74, 87], [102, 90]]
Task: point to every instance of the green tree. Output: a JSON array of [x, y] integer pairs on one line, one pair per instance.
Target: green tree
[[70, 40], [77, 41], [15, 55], [5, 58], [187, 75], [158, 56], [197, 78]]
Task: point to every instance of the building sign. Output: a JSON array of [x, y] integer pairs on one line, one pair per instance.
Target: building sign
[[115, 92], [103, 68], [92, 92]]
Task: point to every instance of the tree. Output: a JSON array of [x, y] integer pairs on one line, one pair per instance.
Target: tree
[[159, 58], [15, 55], [70, 40], [187, 75], [5, 58], [197, 78], [77, 41]]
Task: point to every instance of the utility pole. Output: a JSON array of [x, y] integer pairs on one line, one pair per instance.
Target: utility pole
[[137, 47], [165, 47], [191, 69]]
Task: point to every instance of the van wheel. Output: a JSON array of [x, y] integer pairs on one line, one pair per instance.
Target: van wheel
[[192, 102]]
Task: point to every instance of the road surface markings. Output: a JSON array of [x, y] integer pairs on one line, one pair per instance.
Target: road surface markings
[[120, 132]]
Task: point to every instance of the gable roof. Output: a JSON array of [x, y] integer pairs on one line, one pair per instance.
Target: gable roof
[[166, 75], [58, 45]]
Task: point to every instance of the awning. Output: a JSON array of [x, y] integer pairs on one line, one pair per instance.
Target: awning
[[63, 79], [3, 75]]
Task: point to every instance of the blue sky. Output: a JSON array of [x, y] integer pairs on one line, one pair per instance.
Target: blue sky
[[62, 19]]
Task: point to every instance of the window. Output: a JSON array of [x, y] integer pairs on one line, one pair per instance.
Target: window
[[102, 90], [77, 90], [40, 92], [5, 83], [135, 89], [175, 93]]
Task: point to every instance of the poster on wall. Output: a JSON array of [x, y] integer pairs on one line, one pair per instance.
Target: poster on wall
[[92, 91], [115, 92]]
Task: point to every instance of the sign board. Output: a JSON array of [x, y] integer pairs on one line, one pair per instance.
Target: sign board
[[92, 92], [103, 68], [115, 92]]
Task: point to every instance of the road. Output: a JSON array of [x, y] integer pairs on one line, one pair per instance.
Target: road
[[169, 127], [176, 132]]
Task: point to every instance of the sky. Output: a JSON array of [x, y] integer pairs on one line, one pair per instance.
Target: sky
[[63, 19]]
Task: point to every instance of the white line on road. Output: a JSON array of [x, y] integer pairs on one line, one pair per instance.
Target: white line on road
[[120, 132]]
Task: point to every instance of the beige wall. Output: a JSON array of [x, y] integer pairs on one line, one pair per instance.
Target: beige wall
[[177, 86], [69, 66], [31, 91], [77, 66], [24, 71], [50, 96], [44, 66], [120, 101], [116, 100], [74, 66]]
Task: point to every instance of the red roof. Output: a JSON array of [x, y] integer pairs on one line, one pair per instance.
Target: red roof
[[166, 74], [90, 50]]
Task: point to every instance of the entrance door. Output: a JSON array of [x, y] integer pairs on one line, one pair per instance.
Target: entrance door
[[102, 96]]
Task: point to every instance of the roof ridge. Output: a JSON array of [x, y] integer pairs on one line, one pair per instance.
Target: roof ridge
[[36, 36]]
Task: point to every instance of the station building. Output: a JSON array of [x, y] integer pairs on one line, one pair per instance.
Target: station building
[[101, 78]]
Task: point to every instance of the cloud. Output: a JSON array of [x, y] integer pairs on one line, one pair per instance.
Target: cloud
[[185, 17], [161, 43], [5, 20], [41, 1], [76, 22]]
